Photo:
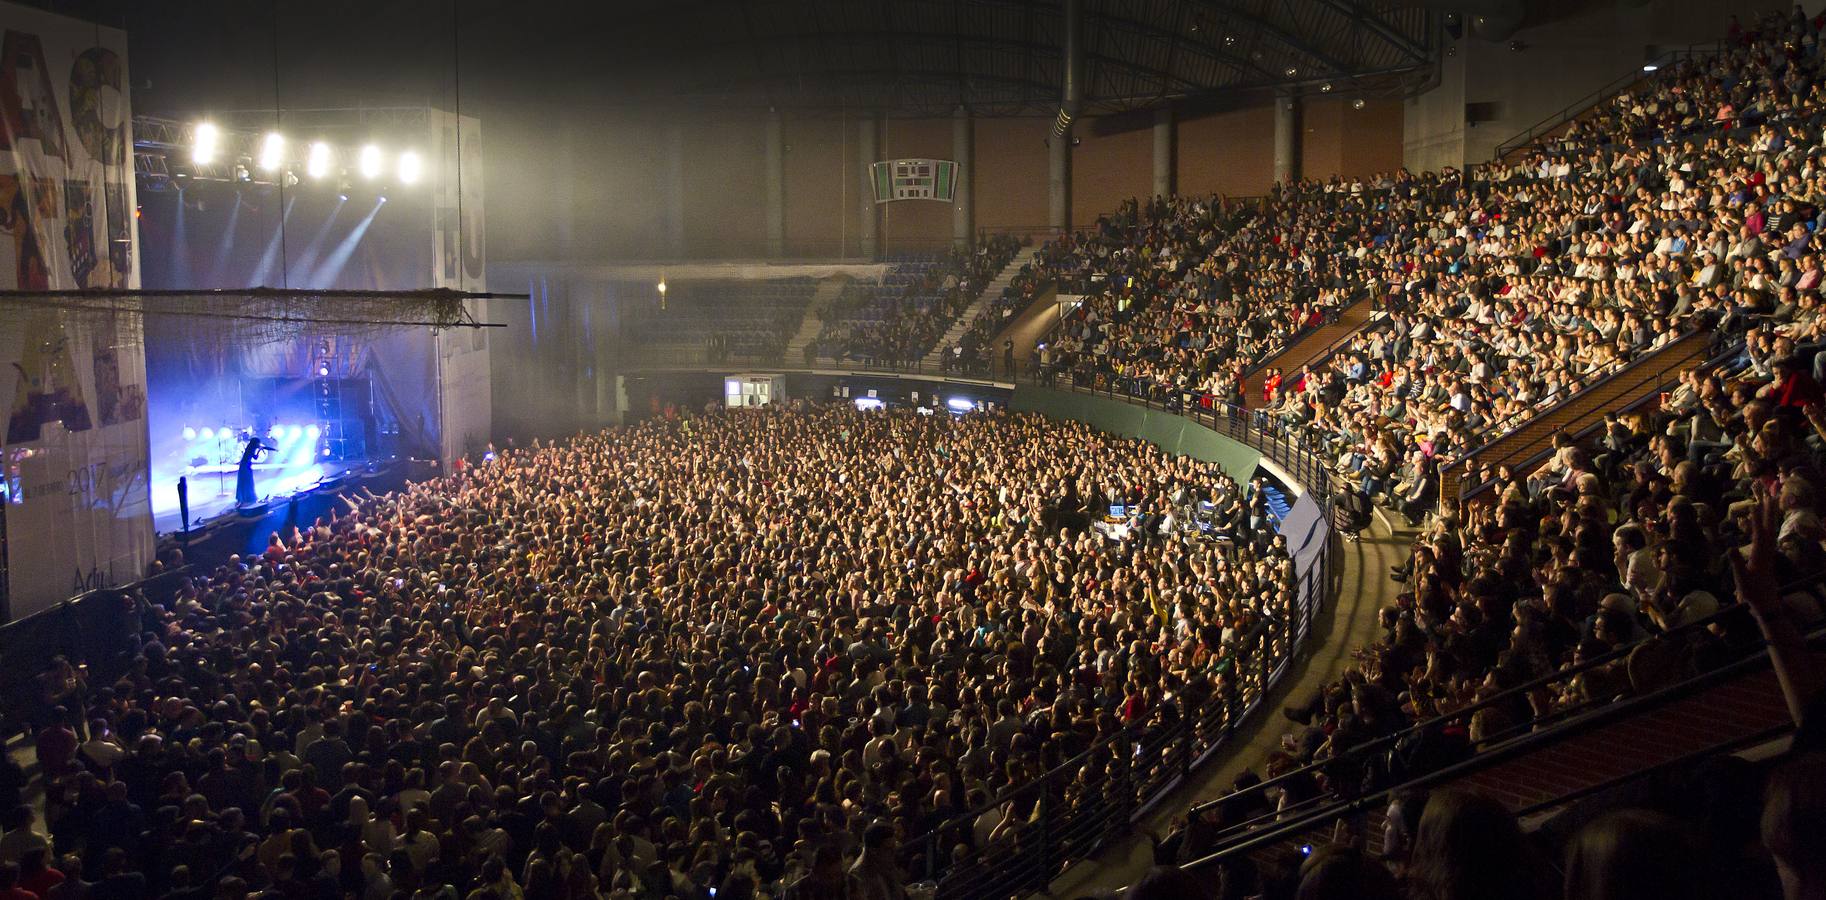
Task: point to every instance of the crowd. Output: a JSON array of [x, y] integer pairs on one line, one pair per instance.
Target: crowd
[[745, 653], [1678, 536], [859, 328], [1498, 292]]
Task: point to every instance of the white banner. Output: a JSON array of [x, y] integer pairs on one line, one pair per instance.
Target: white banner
[[463, 378], [76, 515]]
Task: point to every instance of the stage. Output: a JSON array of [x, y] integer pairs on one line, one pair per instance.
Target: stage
[[212, 488]]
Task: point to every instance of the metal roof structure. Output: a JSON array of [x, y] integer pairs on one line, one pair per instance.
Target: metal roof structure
[[1004, 57]]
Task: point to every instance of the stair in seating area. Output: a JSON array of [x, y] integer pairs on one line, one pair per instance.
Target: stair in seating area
[[984, 297], [1310, 348], [1738, 708], [809, 326], [1654, 372], [1525, 772]]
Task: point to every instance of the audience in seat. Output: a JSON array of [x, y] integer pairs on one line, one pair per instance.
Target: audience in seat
[[898, 322]]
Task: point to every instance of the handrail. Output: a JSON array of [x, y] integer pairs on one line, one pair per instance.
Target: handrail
[[1463, 460], [1611, 89], [1679, 762], [1730, 351], [1164, 759], [1507, 695], [1331, 317], [1507, 750]]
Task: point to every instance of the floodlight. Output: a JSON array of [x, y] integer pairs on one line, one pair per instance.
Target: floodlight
[[272, 151], [317, 164], [208, 141], [370, 162]]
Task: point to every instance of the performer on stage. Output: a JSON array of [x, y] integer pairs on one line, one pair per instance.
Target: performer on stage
[[244, 479]]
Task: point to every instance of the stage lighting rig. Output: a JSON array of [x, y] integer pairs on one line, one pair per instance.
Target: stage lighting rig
[[272, 152], [317, 164], [207, 143], [370, 162]]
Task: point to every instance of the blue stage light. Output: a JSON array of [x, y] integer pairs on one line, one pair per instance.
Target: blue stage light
[[292, 433], [207, 434], [190, 434], [313, 432]]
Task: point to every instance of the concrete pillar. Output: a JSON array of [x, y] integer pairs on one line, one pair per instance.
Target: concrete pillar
[[1163, 151], [963, 150], [1059, 180], [675, 190], [604, 323], [868, 140], [1286, 138], [776, 185]]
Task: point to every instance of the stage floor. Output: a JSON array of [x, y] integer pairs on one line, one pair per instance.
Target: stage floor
[[212, 488]]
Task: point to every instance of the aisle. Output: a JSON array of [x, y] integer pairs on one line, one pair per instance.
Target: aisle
[[1365, 589]]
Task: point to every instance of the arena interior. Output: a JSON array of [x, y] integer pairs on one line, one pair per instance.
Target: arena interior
[[922, 450]]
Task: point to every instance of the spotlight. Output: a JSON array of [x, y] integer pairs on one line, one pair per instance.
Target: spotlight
[[323, 371], [272, 151], [326, 451], [317, 164], [1292, 71], [1325, 88], [190, 434], [208, 141], [410, 167], [208, 434], [1650, 67], [370, 162], [276, 432], [293, 433], [662, 287], [960, 404], [312, 432], [1357, 103], [241, 173]]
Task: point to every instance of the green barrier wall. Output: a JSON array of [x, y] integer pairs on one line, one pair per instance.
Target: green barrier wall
[[1175, 434]]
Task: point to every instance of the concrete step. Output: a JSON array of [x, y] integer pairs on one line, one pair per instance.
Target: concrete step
[[1309, 348], [1648, 375], [809, 326], [984, 297]]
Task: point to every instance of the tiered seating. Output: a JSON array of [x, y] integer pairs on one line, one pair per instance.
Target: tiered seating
[[864, 323], [1623, 559], [900, 320], [748, 320]]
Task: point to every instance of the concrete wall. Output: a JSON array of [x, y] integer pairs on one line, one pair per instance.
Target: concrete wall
[[1229, 153], [1175, 434], [1011, 181], [1337, 139], [822, 180], [1564, 58], [598, 189]]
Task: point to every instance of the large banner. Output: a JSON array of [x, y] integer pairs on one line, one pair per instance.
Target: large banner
[[463, 379], [76, 515]]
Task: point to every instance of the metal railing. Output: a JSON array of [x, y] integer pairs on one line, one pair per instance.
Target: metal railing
[[1652, 394], [697, 360], [1076, 808], [1387, 773], [1457, 472], [1609, 90]]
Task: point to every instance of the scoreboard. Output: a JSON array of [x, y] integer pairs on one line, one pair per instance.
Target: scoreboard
[[914, 179]]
